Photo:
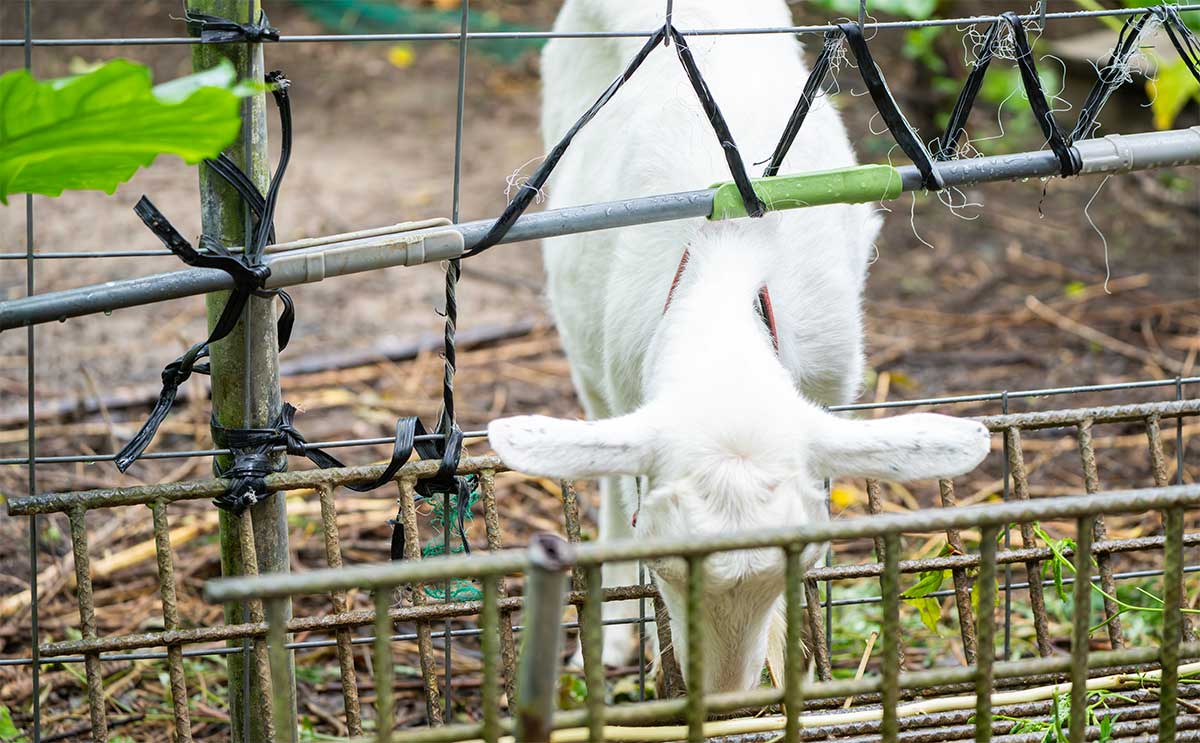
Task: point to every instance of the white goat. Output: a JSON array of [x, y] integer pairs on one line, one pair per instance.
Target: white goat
[[729, 432]]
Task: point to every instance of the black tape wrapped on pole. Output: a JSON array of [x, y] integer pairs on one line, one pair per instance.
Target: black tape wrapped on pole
[[248, 274], [216, 30]]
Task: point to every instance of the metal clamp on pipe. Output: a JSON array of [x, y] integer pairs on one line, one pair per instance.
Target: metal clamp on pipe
[[1123, 153]]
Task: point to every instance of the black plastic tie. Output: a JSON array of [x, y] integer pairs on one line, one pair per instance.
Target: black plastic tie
[[217, 30], [893, 117]]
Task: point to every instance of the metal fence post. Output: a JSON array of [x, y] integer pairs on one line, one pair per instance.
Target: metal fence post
[[245, 364], [541, 643]]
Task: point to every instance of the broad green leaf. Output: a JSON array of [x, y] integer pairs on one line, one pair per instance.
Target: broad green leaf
[[93, 131], [1170, 92]]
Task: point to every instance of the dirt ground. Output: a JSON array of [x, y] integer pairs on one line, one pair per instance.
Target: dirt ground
[[948, 301]]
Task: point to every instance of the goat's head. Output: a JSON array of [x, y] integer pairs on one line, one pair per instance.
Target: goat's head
[[753, 472]]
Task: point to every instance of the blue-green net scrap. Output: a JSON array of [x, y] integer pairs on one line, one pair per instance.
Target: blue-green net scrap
[[460, 590]]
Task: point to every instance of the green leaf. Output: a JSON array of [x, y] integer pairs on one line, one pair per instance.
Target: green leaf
[[572, 691], [1170, 92], [931, 613], [93, 131], [929, 609], [930, 581], [8, 729]]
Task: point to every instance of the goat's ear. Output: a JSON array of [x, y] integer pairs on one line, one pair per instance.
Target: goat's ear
[[553, 447], [907, 447]]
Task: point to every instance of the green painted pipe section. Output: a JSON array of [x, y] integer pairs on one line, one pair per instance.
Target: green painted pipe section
[[855, 185]]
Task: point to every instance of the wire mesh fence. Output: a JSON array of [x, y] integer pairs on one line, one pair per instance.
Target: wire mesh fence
[[980, 569]]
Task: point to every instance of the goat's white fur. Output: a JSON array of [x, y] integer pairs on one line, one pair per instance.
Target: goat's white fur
[[730, 435]]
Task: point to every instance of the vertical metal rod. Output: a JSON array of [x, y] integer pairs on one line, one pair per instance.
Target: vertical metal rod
[[87, 624], [384, 666], [1179, 435], [962, 583], [412, 551], [1172, 624], [550, 557], [817, 630], [828, 587], [1033, 568], [31, 433], [167, 589], [345, 651], [281, 679], [490, 646], [641, 625], [1079, 628], [890, 693], [793, 684], [453, 271], [696, 708], [245, 364], [491, 522], [1008, 574], [1091, 481], [257, 671], [593, 644], [986, 586]]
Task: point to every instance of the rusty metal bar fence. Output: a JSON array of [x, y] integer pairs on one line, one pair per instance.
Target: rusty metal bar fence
[[1084, 509], [414, 607]]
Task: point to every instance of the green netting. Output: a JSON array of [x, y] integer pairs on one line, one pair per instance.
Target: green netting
[[460, 590], [388, 16]]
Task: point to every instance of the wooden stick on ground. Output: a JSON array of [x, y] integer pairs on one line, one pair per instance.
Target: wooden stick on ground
[[1066, 324]]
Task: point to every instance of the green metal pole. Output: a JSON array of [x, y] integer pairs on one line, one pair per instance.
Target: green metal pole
[[550, 559], [245, 364]]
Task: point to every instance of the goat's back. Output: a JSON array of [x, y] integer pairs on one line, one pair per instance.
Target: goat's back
[[607, 289]]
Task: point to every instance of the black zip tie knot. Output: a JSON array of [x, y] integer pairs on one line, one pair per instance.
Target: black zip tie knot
[[217, 30]]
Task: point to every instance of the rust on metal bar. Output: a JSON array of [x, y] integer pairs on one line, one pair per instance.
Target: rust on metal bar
[[1091, 482], [962, 583], [1085, 528], [816, 629], [345, 651], [1033, 568], [491, 522], [87, 624], [1103, 414], [143, 495], [1158, 465], [166, 588], [412, 551], [261, 663]]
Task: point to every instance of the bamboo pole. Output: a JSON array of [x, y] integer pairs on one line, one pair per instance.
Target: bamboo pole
[[245, 364]]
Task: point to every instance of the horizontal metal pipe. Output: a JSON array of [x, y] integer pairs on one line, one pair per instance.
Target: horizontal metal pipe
[[510, 561], [1111, 154], [495, 35], [461, 609]]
